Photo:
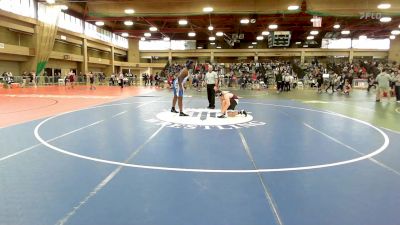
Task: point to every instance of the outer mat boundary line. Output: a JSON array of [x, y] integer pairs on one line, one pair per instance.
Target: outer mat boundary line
[[319, 166]]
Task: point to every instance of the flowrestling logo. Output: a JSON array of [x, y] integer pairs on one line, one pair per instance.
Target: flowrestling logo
[[206, 119]]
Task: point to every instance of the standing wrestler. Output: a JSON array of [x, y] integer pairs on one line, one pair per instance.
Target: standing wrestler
[[178, 88]]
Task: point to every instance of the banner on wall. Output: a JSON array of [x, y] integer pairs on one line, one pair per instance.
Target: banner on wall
[[46, 35]]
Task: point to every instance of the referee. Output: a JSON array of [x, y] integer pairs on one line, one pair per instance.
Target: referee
[[212, 85]]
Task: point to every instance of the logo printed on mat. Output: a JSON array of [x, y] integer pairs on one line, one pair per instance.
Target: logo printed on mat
[[204, 119]]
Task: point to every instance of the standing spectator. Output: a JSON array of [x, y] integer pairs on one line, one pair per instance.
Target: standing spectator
[[91, 80], [340, 81], [212, 85], [32, 77], [397, 89], [383, 80], [371, 83], [279, 82], [121, 80], [24, 77], [320, 80], [71, 77], [156, 79], [151, 80], [331, 82], [112, 79]]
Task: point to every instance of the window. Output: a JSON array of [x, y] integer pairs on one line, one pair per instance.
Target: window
[[383, 44], [20, 7], [347, 43], [166, 45], [154, 45], [343, 43]]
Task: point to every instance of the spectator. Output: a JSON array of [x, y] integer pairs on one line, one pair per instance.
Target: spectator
[[383, 80]]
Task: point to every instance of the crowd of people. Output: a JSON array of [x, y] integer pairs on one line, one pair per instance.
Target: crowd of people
[[283, 75], [26, 79]]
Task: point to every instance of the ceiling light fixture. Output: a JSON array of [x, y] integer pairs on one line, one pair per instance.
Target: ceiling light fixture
[[208, 9], [183, 22], [218, 46], [219, 33], [212, 43], [199, 47], [99, 23], [385, 19], [314, 32], [251, 46], [298, 43], [345, 32], [384, 6], [142, 38], [191, 34], [395, 32], [362, 37], [244, 21], [51, 1], [336, 26], [293, 7], [392, 37], [310, 38], [167, 39], [211, 38], [265, 33], [153, 29], [147, 34], [129, 11], [128, 23], [260, 38], [125, 35], [63, 7], [273, 26], [210, 27], [253, 43]]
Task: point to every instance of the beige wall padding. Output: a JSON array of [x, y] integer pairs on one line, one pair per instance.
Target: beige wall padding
[[67, 48], [96, 69], [394, 51], [7, 66], [65, 66], [8, 37], [120, 58], [98, 54]]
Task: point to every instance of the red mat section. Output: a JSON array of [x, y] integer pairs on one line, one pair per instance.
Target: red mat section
[[19, 105]]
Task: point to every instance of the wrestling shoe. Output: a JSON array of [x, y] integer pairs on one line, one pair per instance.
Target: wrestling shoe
[[173, 110], [183, 114], [222, 116]]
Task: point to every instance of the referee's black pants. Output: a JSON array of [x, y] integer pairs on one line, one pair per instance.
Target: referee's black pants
[[211, 95], [397, 90]]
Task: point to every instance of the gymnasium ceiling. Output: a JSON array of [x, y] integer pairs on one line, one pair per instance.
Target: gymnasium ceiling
[[164, 14]]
